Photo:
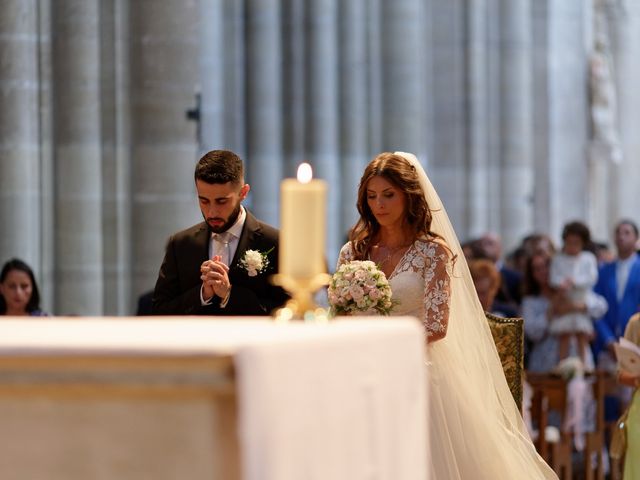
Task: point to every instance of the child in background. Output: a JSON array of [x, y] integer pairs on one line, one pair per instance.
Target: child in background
[[574, 271]]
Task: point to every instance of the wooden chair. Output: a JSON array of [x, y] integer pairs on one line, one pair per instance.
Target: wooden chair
[[508, 335], [550, 393], [611, 389]]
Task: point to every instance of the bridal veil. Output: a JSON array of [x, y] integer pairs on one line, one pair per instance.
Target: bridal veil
[[476, 429]]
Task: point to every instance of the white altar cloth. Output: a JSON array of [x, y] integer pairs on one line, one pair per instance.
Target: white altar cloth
[[343, 400]]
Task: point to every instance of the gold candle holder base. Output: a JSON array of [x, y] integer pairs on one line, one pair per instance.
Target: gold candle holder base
[[301, 306]]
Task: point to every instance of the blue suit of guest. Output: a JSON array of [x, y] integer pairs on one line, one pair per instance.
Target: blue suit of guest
[[611, 326]]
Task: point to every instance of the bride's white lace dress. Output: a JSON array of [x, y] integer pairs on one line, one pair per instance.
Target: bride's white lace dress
[[465, 440]]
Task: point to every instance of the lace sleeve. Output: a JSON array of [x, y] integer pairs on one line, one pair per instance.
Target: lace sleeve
[[437, 291]]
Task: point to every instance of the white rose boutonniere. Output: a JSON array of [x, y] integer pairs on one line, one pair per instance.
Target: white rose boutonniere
[[255, 262]]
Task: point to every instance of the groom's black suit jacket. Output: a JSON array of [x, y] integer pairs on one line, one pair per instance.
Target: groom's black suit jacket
[[177, 290]]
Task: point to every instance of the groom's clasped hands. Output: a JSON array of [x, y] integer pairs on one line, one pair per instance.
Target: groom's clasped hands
[[215, 278]]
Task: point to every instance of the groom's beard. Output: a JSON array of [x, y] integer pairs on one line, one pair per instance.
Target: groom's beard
[[227, 224]]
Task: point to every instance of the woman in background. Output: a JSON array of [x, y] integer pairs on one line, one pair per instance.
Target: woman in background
[[540, 303], [632, 455], [19, 295]]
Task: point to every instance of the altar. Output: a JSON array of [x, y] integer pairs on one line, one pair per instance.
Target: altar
[[211, 398]]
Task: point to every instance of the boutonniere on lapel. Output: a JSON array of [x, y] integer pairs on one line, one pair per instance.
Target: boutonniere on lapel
[[255, 261]]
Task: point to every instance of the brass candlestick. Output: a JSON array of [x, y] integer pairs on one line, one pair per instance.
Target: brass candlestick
[[301, 306]]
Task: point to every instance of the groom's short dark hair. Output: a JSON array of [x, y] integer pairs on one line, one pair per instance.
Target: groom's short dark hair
[[220, 166]]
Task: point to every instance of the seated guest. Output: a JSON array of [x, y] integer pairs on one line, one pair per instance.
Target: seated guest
[[509, 292], [538, 243], [19, 295], [603, 253], [531, 244], [486, 279], [540, 303], [472, 249]]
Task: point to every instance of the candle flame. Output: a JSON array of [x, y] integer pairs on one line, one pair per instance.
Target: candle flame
[[304, 173]]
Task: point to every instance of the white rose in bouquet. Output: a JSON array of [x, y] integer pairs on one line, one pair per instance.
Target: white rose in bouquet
[[360, 286]]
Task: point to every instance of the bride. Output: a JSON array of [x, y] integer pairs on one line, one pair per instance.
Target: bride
[[475, 427]]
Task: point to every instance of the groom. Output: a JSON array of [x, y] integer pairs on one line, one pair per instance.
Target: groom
[[220, 266]]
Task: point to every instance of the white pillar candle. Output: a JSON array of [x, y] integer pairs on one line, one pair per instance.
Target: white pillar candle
[[303, 225]]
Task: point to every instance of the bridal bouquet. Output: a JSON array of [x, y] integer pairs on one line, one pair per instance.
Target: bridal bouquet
[[570, 367], [359, 287]]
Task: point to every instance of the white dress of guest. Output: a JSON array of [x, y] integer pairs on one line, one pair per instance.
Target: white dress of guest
[[582, 270], [544, 353]]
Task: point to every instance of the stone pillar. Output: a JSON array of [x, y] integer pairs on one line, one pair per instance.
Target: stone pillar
[[428, 81], [374, 98], [221, 82], [212, 76], [476, 86], [353, 105], [600, 153], [403, 74], [164, 39], [541, 117], [20, 175], [77, 151], [293, 85], [568, 114], [626, 47], [264, 107], [516, 179], [235, 111], [116, 179], [448, 165], [322, 110], [47, 167]]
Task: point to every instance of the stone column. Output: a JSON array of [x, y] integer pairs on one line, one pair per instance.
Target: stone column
[[374, 73], [212, 75], [221, 82], [626, 46], [427, 40], [449, 163], [76, 96], [20, 175], [164, 37], [353, 105], [541, 111], [47, 167], [116, 179], [600, 154], [322, 110], [476, 86], [264, 107], [235, 77], [568, 114], [293, 85], [516, 179], [403, 73]]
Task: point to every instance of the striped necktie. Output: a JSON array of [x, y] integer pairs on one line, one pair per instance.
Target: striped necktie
[[222, 246]]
